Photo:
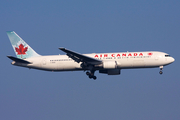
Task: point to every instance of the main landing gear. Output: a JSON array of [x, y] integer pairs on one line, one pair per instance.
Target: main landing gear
[[91, 74], [161, 68]]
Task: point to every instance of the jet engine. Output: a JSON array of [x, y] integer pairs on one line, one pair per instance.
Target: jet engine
[[111, 71], [109, 64]]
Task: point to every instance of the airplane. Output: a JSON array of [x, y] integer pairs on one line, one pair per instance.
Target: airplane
[[106, 63]]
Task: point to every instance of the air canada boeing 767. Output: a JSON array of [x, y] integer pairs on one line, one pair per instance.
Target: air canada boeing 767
[[107, 63]]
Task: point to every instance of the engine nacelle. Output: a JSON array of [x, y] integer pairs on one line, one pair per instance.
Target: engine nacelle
[[109, 64], [111, 71]]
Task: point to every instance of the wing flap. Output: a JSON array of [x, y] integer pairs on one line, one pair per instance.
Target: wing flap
[[80, 57]]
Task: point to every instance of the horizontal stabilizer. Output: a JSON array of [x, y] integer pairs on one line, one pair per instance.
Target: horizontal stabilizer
[[18, 60]]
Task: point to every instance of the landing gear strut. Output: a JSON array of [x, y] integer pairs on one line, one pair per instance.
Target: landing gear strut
[[161, 68], [91, 69], [91, 74]]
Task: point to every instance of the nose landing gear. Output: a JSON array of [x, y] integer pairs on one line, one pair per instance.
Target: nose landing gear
[[160, 72], [161, 68]]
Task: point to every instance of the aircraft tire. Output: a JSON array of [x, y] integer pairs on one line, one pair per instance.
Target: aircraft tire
[[90, 76], [94, 77], [87, 73]]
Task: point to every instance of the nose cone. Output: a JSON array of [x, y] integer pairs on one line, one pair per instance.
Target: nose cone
[[172, 60]]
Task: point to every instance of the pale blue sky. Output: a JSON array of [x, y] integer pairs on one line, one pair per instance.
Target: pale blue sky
[[89, 27]]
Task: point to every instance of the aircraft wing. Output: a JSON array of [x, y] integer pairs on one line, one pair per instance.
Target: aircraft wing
[[80, 57]]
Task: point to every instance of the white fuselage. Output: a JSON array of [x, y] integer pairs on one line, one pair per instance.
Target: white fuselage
[[124, 60]]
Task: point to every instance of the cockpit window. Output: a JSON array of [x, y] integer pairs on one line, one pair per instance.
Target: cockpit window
[[167, 55]]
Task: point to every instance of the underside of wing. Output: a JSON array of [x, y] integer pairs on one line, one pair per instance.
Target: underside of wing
[[80, 57]]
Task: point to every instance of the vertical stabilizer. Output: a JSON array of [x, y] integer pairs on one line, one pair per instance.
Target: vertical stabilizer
[[21, 48]]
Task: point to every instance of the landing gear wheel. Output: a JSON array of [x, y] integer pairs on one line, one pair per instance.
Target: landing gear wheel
[[161, 68], [94, 77], [91, 74], [87, 73]]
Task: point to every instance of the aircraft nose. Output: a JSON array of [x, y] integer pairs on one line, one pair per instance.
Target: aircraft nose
[[172, 59]]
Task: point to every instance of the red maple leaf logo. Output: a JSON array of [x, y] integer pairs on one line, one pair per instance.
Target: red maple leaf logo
[[150, 53], [21, 50]]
